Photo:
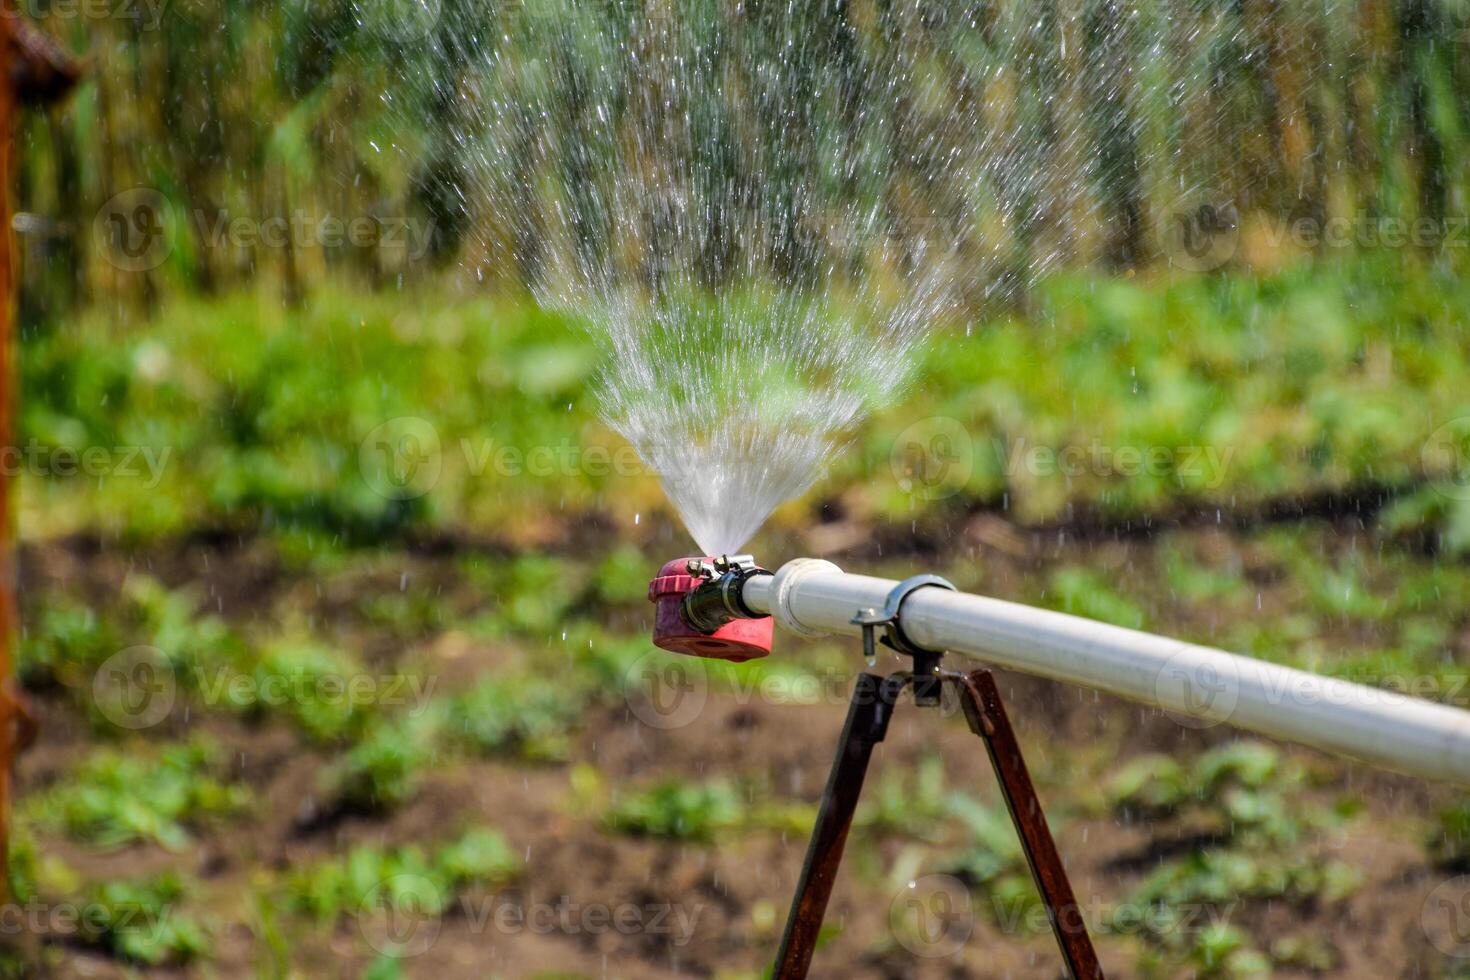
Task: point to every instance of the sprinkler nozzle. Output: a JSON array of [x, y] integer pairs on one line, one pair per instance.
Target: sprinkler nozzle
[[700, 611]]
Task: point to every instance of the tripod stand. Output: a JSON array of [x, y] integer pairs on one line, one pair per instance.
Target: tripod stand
[[871, 708]]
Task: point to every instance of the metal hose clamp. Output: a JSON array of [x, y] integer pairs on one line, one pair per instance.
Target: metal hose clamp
[[719, 599], [926, 662], [894, 636]]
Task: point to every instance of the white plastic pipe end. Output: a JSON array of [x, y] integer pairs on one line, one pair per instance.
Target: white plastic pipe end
[[784, 585]]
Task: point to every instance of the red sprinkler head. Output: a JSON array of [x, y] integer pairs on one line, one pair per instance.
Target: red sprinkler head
[[739, 639]]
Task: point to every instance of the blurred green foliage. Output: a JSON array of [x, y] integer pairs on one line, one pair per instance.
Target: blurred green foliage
[[1449, 840], [529, 715], [1245, 393], [115, 797], [370, 879], [1240, 806], [315, 687], [682, 811], [702, 812], [385, 768], [141, 920]]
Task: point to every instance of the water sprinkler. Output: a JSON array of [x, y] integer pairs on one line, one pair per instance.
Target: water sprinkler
[[814, 598], [724, 608], [700, 609]]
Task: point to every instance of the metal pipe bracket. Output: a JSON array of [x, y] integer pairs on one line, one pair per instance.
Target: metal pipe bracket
[[927, 684]]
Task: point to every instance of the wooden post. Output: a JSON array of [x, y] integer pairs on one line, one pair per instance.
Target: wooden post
[[33, 71]]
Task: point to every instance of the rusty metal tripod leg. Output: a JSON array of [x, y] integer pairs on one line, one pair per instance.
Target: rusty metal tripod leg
[[986, 714], [872, 706], [873, 700]]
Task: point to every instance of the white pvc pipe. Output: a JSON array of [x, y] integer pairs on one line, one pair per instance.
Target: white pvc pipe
[[1197, 685]]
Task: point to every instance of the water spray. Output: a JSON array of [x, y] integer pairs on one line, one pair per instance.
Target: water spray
[[725, 607]]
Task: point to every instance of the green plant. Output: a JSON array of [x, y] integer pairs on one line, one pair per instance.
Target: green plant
[[316, 687], [678, 810], [1240, 787], [171, 620], [1199, 581], [1084, 592], [479, 857], [20, 866], [140, 920], [1224, 952], [991, 850], [273, 956], [1449, 842], [1186, 367], [66, 642], [36, 873], [989, 858], [527, 714], [407, 614], [383, 770], [63, 642], [1217, 876], [907, 802], [1305, 952], [1236, 797], [385, 967], [115, 797], [1150, 785]]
